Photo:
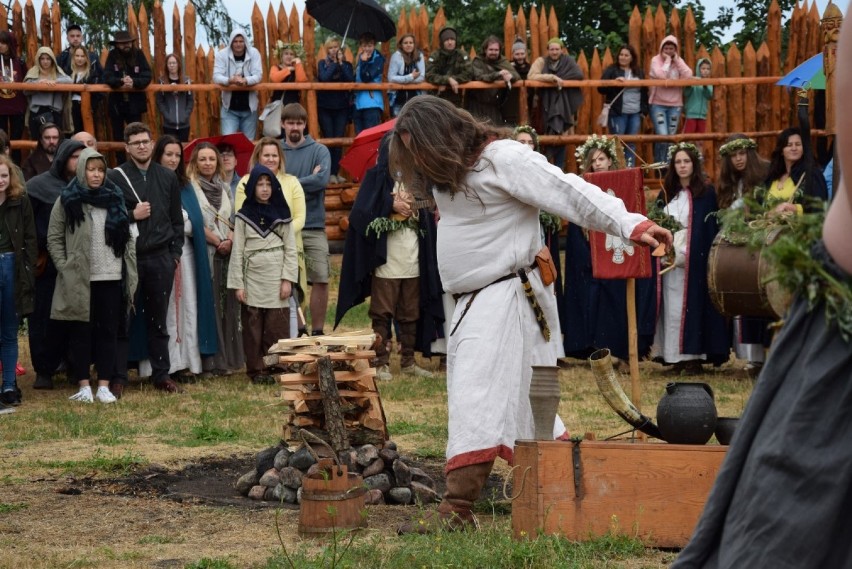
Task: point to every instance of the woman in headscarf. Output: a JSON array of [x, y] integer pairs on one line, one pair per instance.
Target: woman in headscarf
[[91, 245], [264, 267]]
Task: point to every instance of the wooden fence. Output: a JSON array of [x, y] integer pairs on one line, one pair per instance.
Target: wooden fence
[[745, 99]]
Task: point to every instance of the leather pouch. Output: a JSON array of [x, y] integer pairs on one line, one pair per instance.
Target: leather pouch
[[546, 266]]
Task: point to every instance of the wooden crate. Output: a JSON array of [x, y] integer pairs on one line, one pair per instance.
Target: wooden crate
[[655, 492]]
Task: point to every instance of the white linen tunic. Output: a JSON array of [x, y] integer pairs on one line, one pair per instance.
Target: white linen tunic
[[481, 239]]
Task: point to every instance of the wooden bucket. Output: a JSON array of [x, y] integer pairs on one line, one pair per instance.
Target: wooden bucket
[[737, 277], [332, 500]]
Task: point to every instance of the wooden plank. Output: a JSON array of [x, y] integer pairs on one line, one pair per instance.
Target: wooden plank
[[331, 405], [351, 339], [363, 380], [333, 356], [317, 396], [359, 436], [655, 491]]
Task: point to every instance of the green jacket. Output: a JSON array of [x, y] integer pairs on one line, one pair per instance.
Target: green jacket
[[70, 253], [442, 65], [20, 224], [487, 104], [696, 99]]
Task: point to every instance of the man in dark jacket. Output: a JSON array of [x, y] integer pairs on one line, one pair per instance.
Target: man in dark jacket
[[40, 159], [126, 70], [491, 67], [48, 338], [152, 195], [449, 67], [74, 35]]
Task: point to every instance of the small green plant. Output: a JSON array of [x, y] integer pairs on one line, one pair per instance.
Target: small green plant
[[209, 431], [100, 462], [9, 508]]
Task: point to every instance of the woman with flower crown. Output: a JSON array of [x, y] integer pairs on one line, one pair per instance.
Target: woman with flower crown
[[594, 314], [690, 331], [742, 176]]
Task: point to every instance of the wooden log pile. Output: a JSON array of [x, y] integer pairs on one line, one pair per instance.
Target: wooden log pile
[[330, 389]]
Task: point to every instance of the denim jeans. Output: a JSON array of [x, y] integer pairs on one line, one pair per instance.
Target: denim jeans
[[626, 124], [332, 123], [239, 121], [8, 320], [665, 121], [366, 118]]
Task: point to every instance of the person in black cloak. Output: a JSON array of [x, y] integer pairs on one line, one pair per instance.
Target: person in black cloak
[[782, 496], [365, 251]]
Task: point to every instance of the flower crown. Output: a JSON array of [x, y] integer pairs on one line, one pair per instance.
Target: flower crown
[[686, 146], [297, 49], [739, 144], [595, 142]]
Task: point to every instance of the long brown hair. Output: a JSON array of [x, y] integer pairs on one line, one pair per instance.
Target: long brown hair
[[729, 178], [16, 184], [192, 166], [444, 144], [414, 56], [671, 183]]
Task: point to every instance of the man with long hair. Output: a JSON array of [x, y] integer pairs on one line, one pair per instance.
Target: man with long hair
[[489, 192]]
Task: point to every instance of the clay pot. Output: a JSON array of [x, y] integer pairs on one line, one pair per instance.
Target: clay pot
[[725, 427], [687, 413], [544, 400]]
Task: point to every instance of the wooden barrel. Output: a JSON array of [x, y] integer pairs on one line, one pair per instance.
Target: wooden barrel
[[737, 280], [333, 499]]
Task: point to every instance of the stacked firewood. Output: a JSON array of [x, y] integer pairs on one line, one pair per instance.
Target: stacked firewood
[[330, 389]]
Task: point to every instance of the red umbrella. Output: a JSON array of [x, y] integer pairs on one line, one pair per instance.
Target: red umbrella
[[243, 147], [364, 151]]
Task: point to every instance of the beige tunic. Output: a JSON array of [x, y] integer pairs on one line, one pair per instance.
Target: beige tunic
[[259, 264]]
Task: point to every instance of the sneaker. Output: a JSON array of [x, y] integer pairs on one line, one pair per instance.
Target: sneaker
[[383, 373], [417, 371], [6, 409], [104, 395], [84, 395], [10, 397]]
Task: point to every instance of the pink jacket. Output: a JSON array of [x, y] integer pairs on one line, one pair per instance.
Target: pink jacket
[[663, 67]]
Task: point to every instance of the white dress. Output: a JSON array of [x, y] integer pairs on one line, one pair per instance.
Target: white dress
[[667, 339], [182, 317], [490, 354]]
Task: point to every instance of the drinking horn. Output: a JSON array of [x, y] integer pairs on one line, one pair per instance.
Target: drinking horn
[[610, 388]]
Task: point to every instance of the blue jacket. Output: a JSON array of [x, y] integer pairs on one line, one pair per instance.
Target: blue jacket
[[333, 72], [370, 72]]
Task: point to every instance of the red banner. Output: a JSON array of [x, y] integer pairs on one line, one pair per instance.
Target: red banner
[[612, 256]]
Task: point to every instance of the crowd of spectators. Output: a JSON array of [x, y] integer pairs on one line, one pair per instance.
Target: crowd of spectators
[[184, 247]]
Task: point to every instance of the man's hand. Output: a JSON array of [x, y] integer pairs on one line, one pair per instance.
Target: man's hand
[[224, 247], [655, 235], [454, 85], [127, 82], [241, 295], [286, 289], [504, 73], [317, 169], [401, 206], [142, 211]]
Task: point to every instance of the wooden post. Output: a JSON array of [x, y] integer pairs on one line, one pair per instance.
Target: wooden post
[[18, 27], [689, 30], [633, 345], [543, 31], [331, 405], [749, 102], [177, 36], [675, 30], [56, 25], [32, 33], [4, 19], [508, 32], [86, 112], [659, 26], [44, 26], [719, 107], [734, 65], [535, 48], [773, 45], [831, 22], [634, 34], [594, 99]]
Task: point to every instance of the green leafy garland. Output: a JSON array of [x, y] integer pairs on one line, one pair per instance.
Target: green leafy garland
[[549, 222], [657, 214], [789, 252], [385, 225]]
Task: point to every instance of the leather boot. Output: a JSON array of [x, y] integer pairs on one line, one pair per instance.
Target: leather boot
[[455, 512]]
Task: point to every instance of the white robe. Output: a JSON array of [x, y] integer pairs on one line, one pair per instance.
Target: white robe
[[491, 352]]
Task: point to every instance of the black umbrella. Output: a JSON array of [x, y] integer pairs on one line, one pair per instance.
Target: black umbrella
[[353, 18]]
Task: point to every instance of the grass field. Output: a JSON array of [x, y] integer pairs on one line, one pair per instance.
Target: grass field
[[74, 479]]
